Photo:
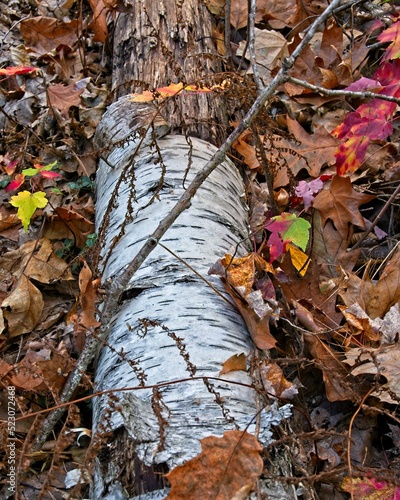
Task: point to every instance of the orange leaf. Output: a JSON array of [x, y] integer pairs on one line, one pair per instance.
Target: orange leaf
[[234, 363], [88, 298], [99, 22], [226, 467]]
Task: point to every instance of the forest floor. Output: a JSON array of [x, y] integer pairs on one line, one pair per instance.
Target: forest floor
[[326, 246]]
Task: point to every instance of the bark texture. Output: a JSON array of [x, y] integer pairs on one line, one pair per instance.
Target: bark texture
[[170, 42], [171, 325]]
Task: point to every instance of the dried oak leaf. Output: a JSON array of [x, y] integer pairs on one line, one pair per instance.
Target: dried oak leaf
[[382, 361], [340, 203], [311, 151], [375, 299], [37, 260], [44, 34], [43, 370], [67, 223], [23, 307], [275, 383], [227, 468], [62, 97], [99, 21], [338, 386]]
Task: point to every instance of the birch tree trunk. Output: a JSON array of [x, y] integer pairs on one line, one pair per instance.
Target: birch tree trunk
[[171, 326]]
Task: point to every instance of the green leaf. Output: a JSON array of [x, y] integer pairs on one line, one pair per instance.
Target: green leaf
[[27, 203], [30, 172], [287, 228]]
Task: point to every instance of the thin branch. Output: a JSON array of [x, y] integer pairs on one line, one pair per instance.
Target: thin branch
[[227, 40], [342, 93], [119, 284], [377, 219], [252, 41]]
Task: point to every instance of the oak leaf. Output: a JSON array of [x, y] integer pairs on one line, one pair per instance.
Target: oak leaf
[[340, 203], [226, 468], [36, 259], [62, 97], [44, 34], [88, 297], [375, 299], [99, 21], [382, 361], [23, 307]]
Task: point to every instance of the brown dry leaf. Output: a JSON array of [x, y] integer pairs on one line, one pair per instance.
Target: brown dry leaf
[[37, 260], [62, 97], [359, 320], [306, 319], [306, 68], [375, 300], [338, 386], [247, 151], [44, 34], [308, 289], [241, 271], [258, 328], [271, 47], [119, 6], [99, 22], [42, 370], [275, 382], [216, 7], [315, 151], [67, 223], [227, 468], [382, 361], [340, 203], [234, 363], [9, 226], [88, 297], [239, 13], [22, 308]]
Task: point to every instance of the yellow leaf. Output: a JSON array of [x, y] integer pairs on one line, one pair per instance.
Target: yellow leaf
[[300, 260], [27, 203]]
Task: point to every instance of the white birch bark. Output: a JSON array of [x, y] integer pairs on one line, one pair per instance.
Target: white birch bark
[[171, 296]]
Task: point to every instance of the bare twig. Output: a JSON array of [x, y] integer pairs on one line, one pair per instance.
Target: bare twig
[[377, 219], [228, 53], [252, 40], [119, 284], [366, 94]]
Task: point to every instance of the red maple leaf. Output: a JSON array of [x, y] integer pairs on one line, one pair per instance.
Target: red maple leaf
[[392, 34]]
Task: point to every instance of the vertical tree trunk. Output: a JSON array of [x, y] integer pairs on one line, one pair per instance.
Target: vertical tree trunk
[[171, 326]]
